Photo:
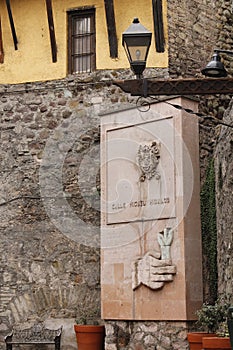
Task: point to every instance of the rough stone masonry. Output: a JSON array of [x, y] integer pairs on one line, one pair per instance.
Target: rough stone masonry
[[46, 274]]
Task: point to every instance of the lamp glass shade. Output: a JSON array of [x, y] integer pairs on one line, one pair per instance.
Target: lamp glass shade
[[136, 41], [136, 48], [215, 68]]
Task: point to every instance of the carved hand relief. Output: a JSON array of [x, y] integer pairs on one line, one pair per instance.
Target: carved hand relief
[[155, 268], [148, 160]]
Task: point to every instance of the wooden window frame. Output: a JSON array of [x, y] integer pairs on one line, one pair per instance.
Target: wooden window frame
[[73, 16]]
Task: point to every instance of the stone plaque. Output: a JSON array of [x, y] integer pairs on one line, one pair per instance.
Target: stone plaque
[[140, 172], [150, 214]]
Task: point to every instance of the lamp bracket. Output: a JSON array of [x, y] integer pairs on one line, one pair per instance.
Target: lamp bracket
[[176, 86], [144, 88], [228, 52]]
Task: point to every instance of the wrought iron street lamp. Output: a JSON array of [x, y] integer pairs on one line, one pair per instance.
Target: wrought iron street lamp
[[215, 68], [136, 41]]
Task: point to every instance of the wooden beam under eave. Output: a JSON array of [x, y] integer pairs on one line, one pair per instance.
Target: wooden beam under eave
[[158, 25], [111, 25], [8, 5], [1, 44], [51, 30]]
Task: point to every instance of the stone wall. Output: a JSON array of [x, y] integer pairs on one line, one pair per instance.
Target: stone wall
[[192, 35], [224, 190], [49, 201], [195, 29], [146, 335], [224, 169]]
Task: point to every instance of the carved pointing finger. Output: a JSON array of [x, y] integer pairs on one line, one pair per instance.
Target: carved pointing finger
[[163, 270], [155, 285], [162, 278]]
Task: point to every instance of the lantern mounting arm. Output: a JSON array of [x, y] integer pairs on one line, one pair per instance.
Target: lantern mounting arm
[[228, 52], [156, 87]]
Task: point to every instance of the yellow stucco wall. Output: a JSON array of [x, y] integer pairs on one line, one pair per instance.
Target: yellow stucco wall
[[33, 62]]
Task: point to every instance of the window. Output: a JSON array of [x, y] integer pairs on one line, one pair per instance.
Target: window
[[81, 50]]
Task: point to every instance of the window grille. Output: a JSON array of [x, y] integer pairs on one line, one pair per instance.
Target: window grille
[[82, 38]]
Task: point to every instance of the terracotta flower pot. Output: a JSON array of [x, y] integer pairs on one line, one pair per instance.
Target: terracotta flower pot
[[216, 343], [195, 339], [90, 337]]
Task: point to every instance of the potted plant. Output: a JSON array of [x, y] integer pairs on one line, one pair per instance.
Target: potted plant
[[230, 324], [209, 318], [89, 332], [220, 341]]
